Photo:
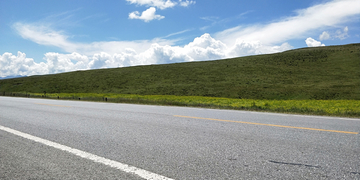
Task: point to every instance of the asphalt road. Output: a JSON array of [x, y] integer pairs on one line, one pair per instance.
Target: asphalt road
[[172, 142]]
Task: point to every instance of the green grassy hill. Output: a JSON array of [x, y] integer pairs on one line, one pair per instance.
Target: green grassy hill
[[331, 72]]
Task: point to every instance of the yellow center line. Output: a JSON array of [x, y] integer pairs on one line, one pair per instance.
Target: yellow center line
[[52, 105], [274, 125]]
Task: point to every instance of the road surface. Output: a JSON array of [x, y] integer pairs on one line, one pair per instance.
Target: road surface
[[56, 139]]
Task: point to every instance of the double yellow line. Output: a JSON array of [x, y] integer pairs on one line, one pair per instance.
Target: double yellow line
[[273, 125]]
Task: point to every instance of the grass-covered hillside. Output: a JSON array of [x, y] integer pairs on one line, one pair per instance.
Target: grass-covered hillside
[[331, 72]]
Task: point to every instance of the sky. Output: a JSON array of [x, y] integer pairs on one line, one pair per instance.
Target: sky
[[54, 36]]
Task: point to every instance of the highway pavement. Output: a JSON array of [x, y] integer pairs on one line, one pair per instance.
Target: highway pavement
[[58, 139]]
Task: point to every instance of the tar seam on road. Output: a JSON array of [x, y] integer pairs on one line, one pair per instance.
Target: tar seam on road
[[294, 164], [274, 125], [114, 164], [52, 105]]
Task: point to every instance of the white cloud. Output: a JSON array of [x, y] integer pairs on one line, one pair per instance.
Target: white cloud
[[177, 33], [234, 42], [45, 35], [201, 48], [324, 36], [161, 4], [342, 34], [186, 3], [310, 42], [206, 41], [147, 16], [11, 65], [100, 60], [244, 48], [57, 63], [163, 54], [206, 48], [296, 27], [339, 34]]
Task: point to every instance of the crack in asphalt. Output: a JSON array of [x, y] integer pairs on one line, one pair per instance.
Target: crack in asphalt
[[294, 164]]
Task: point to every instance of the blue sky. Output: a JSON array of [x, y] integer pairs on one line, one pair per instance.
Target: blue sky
[[53, 36]]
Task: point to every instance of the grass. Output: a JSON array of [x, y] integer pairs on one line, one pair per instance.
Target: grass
[[309, 73], [321, 80]]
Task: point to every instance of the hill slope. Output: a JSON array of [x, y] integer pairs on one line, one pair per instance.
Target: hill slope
[[331, 72]]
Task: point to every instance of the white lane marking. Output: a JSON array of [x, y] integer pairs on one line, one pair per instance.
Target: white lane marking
[[123, 167]]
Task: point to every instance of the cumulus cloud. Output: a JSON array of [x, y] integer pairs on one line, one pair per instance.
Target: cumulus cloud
[[11, 65], [324, 36], [201, 48], [147, 16], [243, 48], [206, 48], [162, 4], [57, 63], [310, 42]]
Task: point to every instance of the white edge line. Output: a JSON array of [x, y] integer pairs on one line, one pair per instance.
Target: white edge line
[[114, 164]]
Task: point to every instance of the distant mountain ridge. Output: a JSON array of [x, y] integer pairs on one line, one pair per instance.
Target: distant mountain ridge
[[11, 77]]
